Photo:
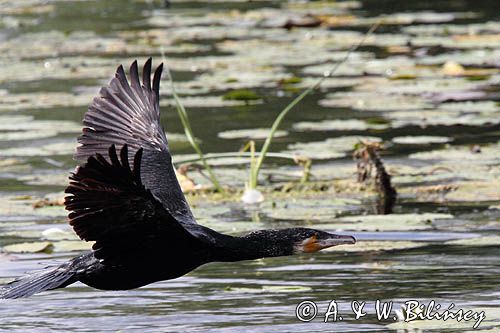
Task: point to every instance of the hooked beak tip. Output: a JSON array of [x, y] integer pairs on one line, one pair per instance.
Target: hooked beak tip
[[341, 240], [349, 240]]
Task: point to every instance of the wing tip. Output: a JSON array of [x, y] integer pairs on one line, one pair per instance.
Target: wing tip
[[120, 73], [134, 74], [146, 74], [124, 92], [156, 81]]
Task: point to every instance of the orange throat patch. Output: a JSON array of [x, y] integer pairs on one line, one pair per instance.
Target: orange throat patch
[[310, 245]]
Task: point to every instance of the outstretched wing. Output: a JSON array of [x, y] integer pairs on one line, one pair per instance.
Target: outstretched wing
[[109, 204], [129, 114]]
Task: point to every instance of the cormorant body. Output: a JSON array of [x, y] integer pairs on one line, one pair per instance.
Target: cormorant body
[[125, 198]]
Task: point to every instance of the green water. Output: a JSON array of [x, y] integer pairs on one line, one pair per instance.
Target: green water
[[67, 49]]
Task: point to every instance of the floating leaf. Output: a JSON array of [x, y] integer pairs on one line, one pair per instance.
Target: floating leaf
[[72, 246], [306, 209], [269, 289], [210, 101], [377, 246], [241, 95], [34, 247], [32, 126], [338, 125], [393, 222], [486, 155], [330, 148], [57, 234], [478, 241], [51, 149], [420, 140], [43, 100], [371, 101], [255, 134]]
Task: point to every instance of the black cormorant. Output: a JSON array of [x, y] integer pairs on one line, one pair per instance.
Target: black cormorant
[[126, 198]]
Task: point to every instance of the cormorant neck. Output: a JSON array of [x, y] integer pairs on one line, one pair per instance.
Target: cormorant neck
[[252, 246]]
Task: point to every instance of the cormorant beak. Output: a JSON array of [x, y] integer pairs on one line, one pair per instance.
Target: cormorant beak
[[335, 240], [313, 244]]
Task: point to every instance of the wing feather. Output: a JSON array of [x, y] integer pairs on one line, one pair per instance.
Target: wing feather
[[109, 204], [129, 114]]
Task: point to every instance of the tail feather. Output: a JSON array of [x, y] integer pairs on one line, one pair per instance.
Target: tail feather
[[46, 279]]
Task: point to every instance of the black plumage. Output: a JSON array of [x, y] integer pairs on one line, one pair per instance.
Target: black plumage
[[125, 197]]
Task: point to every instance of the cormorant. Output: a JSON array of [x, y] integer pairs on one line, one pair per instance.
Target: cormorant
[[126, 198]]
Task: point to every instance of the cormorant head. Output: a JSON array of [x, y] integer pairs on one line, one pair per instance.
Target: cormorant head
[[310, 240], [290, 241]]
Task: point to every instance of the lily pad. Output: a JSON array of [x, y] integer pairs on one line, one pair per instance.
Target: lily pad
[[487, 155], [338, 125], [426, 118], [52, 68], [254, 134], [328, 149], [58, 234], [49, 247], [43, 100], [210, 101], [269, 289], [51, 149], [49, 177], [72, 246], [29, 124], [471, 107], [420, 140], [377, 246], [477, 241], [476, 191], [25, 135], [393, 222], [307, 209], [241, 95], [371, 101], [34, 247]]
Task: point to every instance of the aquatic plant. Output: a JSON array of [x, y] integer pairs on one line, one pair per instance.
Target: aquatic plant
[[255, 167], [181, 111], [245, 95], [256, 161]]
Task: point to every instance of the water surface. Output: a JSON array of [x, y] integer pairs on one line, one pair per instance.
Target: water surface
[[55, 55]]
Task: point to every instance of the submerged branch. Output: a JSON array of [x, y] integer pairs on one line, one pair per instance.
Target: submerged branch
[[368, 158]]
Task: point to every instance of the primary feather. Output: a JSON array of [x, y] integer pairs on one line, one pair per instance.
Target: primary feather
[[129, 114]]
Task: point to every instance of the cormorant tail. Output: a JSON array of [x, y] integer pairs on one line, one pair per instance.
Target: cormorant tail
[[45, 279]]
